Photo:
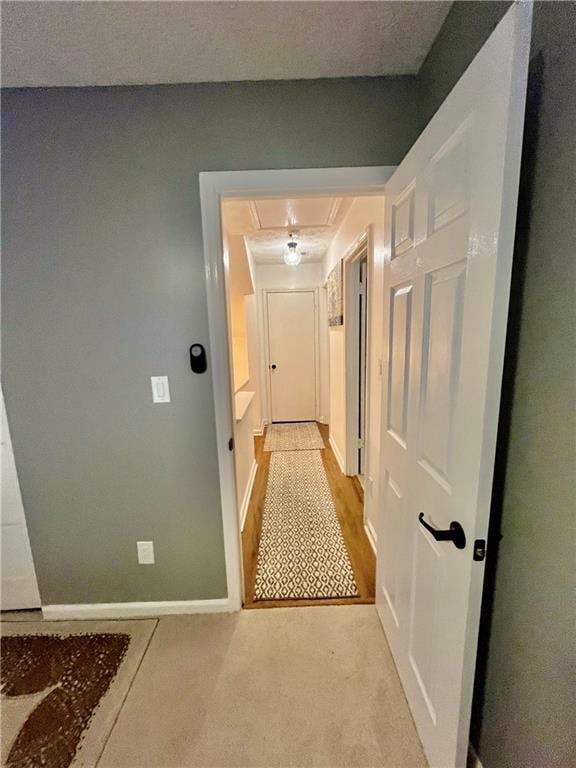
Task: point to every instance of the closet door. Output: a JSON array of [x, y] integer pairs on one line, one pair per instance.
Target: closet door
[[19, 586]]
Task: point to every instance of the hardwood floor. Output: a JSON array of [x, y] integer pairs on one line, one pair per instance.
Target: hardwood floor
[[348, 500]]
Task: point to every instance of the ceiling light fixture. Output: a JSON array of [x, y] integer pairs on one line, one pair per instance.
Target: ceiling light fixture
[[291, 256]]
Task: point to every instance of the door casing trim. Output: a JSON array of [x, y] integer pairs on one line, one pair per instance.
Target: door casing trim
[[362, 245]]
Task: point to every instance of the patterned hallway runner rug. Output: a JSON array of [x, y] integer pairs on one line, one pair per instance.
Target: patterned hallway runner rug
[[302, 553], [62, 686], [293, 436]]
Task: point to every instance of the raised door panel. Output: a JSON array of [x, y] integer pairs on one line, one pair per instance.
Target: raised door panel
[[442, 338], [399, 362], [427, 595], [448, 196], [392, 545], [403, 222]]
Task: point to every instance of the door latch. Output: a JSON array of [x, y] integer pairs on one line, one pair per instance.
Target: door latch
[[231, 444], [479, 550]]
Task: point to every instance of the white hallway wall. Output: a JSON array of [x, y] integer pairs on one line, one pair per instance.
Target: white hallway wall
[[240, 297], [275, 276], [364, 212], [253, 384]]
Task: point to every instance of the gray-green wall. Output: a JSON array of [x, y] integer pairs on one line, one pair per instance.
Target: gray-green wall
[[103, 286], [524, 713], [465, 29]]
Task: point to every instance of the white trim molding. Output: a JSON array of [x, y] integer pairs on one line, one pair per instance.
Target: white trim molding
[[247, 494], [337, 454], [372, 538], [134, 610], [253, 185]]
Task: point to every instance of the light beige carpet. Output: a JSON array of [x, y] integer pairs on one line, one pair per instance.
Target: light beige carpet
[[63, 684], [301, 553], [295, 436], [275, 688]]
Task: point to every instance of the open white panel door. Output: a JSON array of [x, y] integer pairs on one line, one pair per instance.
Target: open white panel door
[[450, 219], [18, 587]]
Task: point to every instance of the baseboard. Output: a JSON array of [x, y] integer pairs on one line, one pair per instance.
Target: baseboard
[[371, 533], [133, 610], [473, 759], [337, 454], [247, 494], [260, 430]]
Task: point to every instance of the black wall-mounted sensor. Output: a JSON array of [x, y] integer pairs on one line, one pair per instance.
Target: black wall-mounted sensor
[[198, 358]]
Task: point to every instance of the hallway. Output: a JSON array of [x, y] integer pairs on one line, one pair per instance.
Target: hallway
[[348, 501]]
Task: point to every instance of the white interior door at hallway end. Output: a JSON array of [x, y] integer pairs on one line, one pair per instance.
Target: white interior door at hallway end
[[450, 223], [292, 355]]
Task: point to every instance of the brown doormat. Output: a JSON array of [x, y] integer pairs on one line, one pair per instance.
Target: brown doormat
[[62, 685]]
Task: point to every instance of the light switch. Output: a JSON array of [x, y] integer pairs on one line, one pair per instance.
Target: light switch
[[145, 552], [160, 389]]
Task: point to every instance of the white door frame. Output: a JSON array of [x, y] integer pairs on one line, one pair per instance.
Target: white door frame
[[215, 185], [362, 245], [264, 292]]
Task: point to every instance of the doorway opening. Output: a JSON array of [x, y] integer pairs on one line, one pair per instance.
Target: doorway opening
[[299, 512], [357, 291]]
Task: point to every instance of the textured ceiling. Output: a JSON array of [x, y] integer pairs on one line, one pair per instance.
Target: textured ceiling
[[269, 247], [314, 220], [104, 42]]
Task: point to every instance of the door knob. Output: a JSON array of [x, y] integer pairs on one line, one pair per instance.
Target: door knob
[[273, 366], [455, 533]]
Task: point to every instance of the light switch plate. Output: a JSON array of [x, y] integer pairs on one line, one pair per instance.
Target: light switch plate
[[160, 389], [145, 552]]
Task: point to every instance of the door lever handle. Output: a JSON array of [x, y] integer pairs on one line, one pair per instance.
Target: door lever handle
[[455, 533]]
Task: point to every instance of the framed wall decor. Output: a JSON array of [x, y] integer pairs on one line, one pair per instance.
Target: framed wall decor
[[335, 297]]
